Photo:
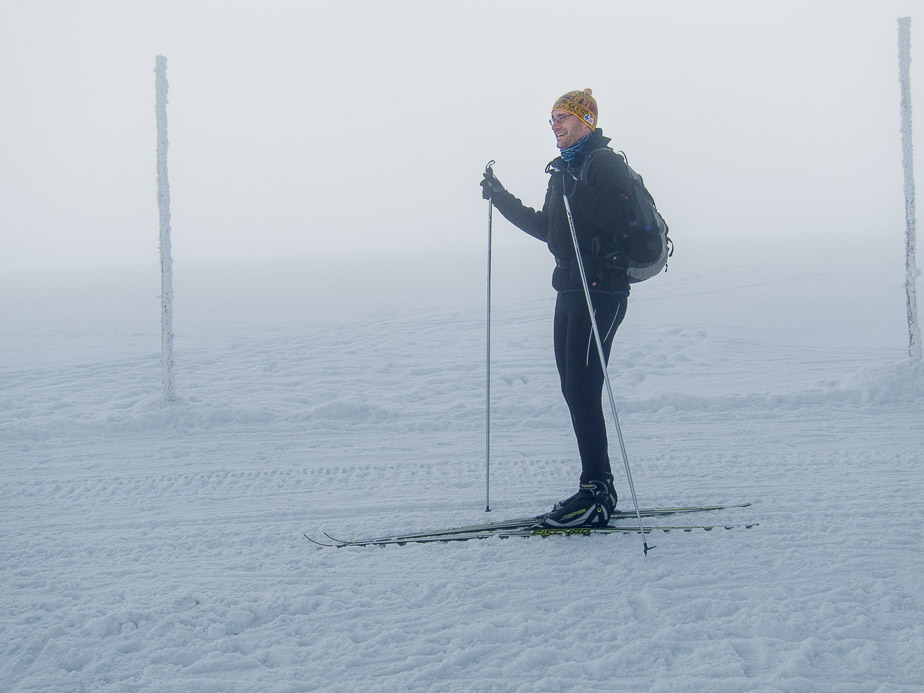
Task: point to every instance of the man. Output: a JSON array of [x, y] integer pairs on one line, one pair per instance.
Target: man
[[600, 224]]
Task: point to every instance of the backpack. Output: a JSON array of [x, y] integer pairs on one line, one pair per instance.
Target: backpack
[[647, 245]]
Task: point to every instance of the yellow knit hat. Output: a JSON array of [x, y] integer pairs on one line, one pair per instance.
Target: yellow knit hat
[[580, 104]]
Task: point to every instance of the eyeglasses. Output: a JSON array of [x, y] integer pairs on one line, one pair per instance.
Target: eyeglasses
[[559, 118]]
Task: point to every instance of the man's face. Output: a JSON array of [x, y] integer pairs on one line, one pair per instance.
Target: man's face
[[567, 129]]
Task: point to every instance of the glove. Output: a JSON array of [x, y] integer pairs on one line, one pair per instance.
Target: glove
[[562, 182], [490, 185]]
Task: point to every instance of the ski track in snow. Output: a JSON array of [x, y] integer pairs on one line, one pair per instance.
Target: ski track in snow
[[158, 547]]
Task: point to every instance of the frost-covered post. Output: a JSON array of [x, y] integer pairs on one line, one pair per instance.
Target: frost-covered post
[[163, 203], [911, 269]]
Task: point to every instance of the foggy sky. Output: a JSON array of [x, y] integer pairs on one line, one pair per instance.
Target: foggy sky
[[307, 128]]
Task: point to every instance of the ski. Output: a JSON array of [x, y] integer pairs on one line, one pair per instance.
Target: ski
[[524, 523], [524, 532]]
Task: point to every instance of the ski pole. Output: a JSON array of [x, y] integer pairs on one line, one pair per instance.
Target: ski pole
[[487, 413], [606, 375]]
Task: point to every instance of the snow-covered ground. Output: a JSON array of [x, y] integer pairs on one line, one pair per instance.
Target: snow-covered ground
[[148, 546]]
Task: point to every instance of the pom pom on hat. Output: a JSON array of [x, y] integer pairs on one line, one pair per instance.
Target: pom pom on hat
[[580, 104]]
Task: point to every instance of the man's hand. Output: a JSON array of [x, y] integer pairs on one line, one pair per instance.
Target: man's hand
[[490, 184]]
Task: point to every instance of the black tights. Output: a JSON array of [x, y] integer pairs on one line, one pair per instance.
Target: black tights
[[580, 372]]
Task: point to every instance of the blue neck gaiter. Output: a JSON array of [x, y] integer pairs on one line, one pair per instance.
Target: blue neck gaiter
[[571, 153]]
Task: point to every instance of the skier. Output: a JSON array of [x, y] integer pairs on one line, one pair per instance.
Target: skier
[[598, 219]]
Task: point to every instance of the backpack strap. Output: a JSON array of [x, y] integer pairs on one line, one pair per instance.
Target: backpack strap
[[599, 252], [592, 155]]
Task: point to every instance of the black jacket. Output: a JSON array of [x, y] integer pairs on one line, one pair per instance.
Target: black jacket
[[599, 221]]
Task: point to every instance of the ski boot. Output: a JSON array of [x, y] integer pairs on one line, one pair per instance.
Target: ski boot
[[589, 507]]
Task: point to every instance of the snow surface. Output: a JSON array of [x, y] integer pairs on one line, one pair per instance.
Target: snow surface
[[149, 546]]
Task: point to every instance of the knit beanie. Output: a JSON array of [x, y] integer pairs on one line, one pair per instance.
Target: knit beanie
[[580, 104]]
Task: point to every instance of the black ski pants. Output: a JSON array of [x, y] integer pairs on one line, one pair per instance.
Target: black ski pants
[[581, 375]]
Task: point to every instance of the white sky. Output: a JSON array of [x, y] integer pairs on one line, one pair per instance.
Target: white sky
[[306, 128]]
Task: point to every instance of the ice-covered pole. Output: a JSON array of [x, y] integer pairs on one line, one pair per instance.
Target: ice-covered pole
[[163, 203], [487, 385], [911, 269]]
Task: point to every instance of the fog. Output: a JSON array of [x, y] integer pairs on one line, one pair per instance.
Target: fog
[[319, 128]]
